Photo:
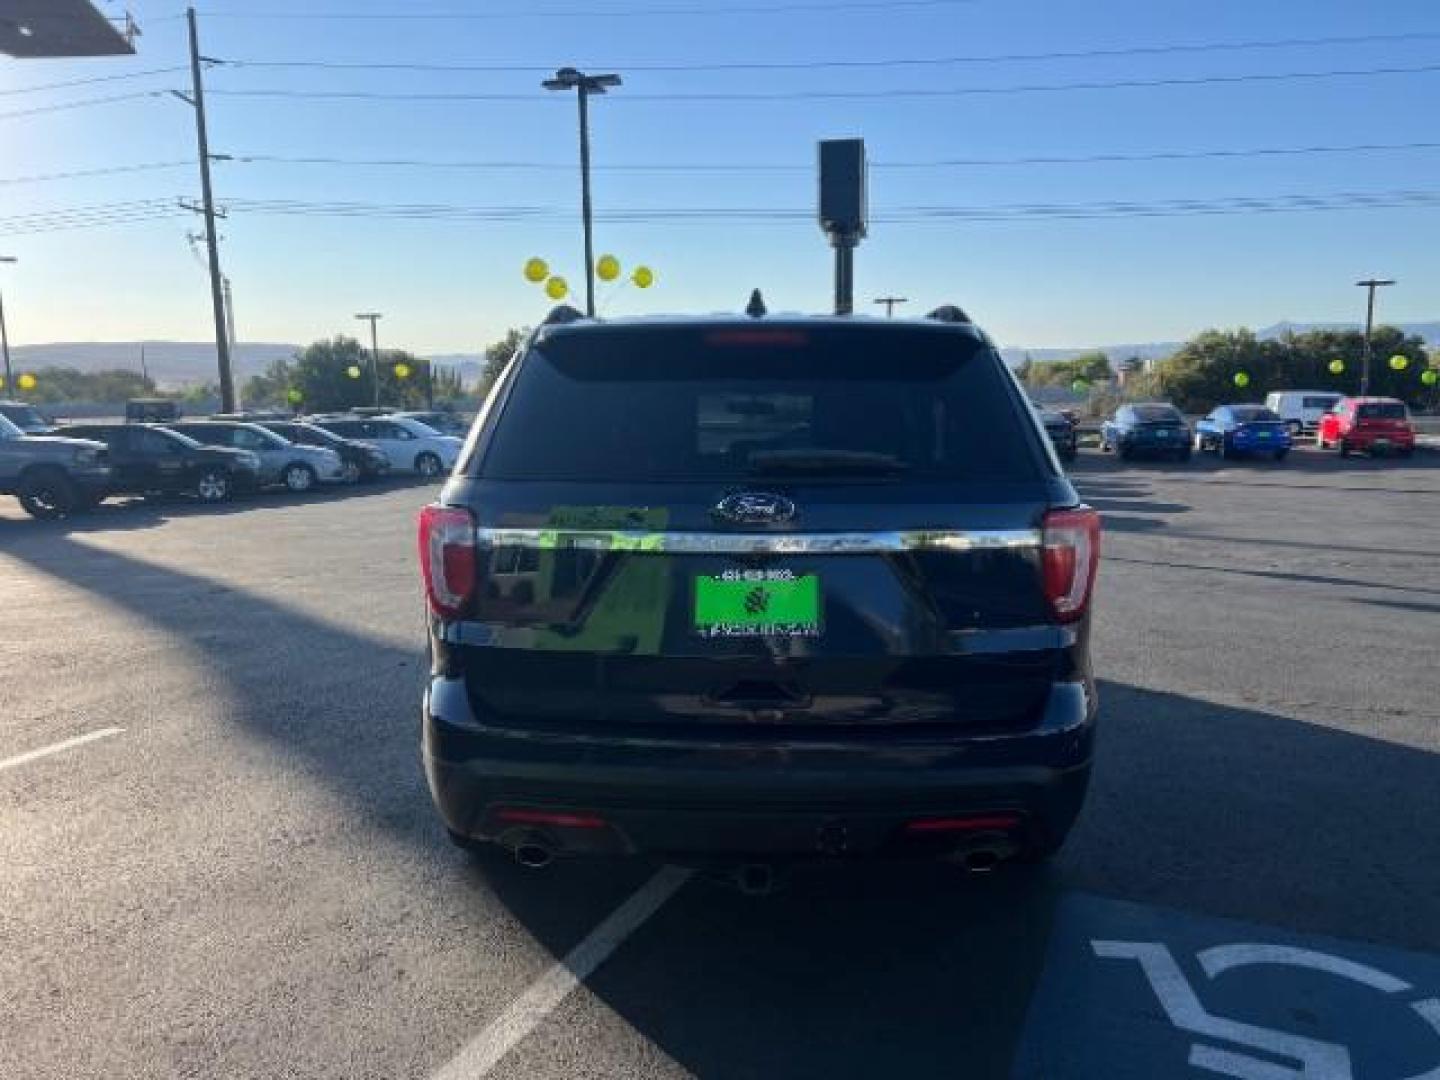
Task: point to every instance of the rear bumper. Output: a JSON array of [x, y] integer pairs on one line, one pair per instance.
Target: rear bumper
[[755, 796]]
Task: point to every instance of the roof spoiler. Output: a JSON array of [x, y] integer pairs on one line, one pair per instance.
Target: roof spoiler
[[949, 313], [561, 315]]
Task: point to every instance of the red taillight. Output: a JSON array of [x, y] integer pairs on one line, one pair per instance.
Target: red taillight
[[448, 559], [560, 819], [1068, 560]]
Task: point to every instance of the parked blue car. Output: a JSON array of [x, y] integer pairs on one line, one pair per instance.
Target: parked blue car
[[1236, 430], [1156, 429]]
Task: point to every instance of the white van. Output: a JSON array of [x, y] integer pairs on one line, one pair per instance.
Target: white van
[[1301, 409]]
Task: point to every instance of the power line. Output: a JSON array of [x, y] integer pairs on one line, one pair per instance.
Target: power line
[[815, 65], [583, 13], [90, 80], [80, 104], [843, 95], [109, 170]]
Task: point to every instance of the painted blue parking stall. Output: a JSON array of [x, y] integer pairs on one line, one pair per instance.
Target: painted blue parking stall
[[1131, 992]]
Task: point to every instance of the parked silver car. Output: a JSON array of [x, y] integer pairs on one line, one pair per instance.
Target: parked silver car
[[299, 468]]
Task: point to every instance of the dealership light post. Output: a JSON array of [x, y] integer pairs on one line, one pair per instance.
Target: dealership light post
[[5, 337], [584, 85], [372, 317], [1371, 284]]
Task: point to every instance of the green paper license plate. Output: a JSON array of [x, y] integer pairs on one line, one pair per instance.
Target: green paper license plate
[[757, 603]]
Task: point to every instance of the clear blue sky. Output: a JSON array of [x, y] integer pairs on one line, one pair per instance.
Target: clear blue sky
[[452, 285]]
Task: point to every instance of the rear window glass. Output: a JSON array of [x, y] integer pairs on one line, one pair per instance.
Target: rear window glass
[[1253, 414], [1318, 402], [1157, 414], [1381, 410], [738, 405]]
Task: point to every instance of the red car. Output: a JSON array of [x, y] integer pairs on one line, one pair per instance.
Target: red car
[[1373, 425]]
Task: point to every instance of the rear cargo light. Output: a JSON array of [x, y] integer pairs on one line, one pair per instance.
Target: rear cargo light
[[1068, 560], [448, 559], [560, 819], [977, 823]]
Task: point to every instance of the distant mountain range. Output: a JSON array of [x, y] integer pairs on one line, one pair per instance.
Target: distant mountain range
[[184, 363]]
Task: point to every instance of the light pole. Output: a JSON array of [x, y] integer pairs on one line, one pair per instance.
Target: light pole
[[569, 78], [1371, 284], [890, 302], [372, 317], [4, 337]]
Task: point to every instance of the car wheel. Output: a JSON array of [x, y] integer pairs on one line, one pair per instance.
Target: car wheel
[[1280, 454], [428, 466], [350, 472], [1407, 451], [1296, 429], [299, 478], [47, 494], [1344, 448], [212, 487]]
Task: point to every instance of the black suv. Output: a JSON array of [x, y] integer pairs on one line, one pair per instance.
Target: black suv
[[148, 459], [1061, 430], [759, 589]]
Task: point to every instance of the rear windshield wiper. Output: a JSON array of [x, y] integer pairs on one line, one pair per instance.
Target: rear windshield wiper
[[825, 462]]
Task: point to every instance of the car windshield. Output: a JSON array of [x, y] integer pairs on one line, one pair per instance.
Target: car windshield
[[417, 428], [181, 437], [8, 429], [680, 404], [1157, 414], [1251, 414], [24, 416]]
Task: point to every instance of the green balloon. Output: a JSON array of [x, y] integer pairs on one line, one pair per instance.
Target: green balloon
[[1399, 362], [1080, 386], [1430, 378], [294, 397], [1337, 367], [1242, 380]]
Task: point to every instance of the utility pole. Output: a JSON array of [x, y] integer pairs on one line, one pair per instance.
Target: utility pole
[[1371, 284], [144, 371], [570, 79], [4, 336], [212, 241], [890, 302], [372, 317]]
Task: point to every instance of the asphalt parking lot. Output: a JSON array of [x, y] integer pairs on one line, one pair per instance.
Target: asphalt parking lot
[[239, 873]]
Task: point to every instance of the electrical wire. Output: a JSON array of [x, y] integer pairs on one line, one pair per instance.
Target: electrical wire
[[837, 95], [817, 65], [81, 103], [604, 13], [94, 79], [109, 170]]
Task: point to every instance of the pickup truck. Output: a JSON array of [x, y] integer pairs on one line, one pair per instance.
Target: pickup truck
[[52, 477]]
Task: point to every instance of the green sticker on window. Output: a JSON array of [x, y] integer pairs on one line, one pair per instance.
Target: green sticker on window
[[757, 603]]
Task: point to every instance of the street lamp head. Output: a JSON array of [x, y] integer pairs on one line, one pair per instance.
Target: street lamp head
[[1374, 283], [8, 259], [369, 315], [569, 78]]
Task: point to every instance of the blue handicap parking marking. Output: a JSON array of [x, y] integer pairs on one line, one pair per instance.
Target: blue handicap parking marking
[[1131, 992]]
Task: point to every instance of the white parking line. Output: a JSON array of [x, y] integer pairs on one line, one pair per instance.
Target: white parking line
[[59, 747], [482, 1053]]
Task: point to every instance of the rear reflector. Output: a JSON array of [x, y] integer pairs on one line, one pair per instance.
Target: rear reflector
[[448, 559], [979, 823], [519, 816], [1069, 559]]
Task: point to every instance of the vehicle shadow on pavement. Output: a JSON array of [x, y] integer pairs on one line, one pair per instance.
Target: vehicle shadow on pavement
[[881, 970]]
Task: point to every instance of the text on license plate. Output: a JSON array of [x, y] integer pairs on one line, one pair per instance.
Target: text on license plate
[[757, 603]]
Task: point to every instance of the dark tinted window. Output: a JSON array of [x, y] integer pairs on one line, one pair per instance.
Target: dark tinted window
[[1251, 414], [350, 429], [1325, 402], [739, 404], [1156, 414], [208, 434], [24, 416], [156, 442], [1381, 410]]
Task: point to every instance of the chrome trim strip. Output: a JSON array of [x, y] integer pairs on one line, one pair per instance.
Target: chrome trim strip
[[720, 543]]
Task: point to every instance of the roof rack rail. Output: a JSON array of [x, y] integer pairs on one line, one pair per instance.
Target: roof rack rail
[[561, 315], [948, 313]]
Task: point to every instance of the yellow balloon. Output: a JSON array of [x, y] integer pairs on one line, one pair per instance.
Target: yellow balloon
[[536, 270], [26, 381], [1337, 367], [402, 371], [607, 267], [557, 288], [643, 277], [353, 371], [1399, 362]]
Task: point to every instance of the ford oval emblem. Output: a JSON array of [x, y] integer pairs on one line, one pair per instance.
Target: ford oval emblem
[[755, 508]]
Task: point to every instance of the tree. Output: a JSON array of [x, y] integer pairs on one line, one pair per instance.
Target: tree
[[498, 354], [59, 385], [1092, 367], [269, 389]]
